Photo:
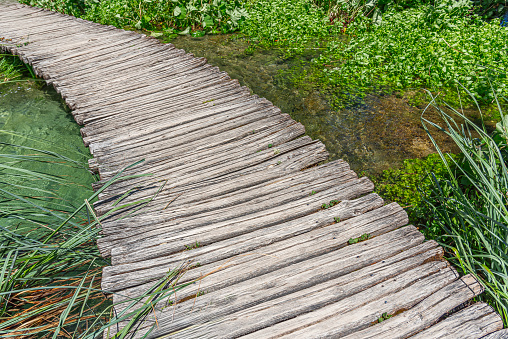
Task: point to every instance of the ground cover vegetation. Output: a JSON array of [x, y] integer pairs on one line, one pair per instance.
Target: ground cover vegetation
[[12, 69]]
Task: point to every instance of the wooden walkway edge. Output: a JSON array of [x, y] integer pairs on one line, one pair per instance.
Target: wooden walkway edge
[[235, 175]]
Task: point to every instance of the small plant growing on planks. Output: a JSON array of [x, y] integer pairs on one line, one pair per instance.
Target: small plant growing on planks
[[336, 219], [191, 247], [384, 316], [363, 237], [312, 193], [330, 204]]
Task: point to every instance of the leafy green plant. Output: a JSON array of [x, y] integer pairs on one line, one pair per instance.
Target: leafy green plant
[[293, 26], [471, 206], [192, 247], [490, 8], [363, 237], [161, 17], [383, 317], [330, 204], [429, 46], [72, 7], [403, 184]]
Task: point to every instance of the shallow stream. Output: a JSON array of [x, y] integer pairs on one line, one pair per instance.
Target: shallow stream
[[373, 135]]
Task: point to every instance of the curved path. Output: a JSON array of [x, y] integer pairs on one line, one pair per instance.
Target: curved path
[[237, 185]]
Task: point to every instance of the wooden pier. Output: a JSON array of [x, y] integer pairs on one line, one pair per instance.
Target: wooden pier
[[239, 186]]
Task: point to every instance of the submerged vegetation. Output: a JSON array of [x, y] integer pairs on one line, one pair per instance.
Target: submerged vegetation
[[50, 267]]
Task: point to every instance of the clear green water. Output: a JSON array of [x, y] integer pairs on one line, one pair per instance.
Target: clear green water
[[51, 169], [374, 135]]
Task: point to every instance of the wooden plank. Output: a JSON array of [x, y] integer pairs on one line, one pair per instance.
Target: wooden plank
[[425, 313], [201, 201], [260, 213], [199, 118], [210, 146], [276, 256], [155, 268], [501, 334], [173, 236], [276, 297], [85, 92], [256, 202], [339, 318], [472, 322], [89, 48], [221, 106], [189, 192], [314, 151], [319, 281], [194, 196]]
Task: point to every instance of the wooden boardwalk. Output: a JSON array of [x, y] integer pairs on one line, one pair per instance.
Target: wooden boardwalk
[[237, 176]]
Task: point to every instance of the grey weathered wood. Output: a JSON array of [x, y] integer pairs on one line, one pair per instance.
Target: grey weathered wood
[[425, 313], [257, 162], [276, 256], [275, 297], [292, 199], [501, 334], [186, 233], [342, 317], [233, 192], [472, 322], [155, 268]]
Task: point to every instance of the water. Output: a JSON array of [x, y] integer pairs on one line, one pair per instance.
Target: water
[[34, 116], [372, 136]]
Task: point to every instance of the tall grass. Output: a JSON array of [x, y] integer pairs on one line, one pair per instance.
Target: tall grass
[[50, 267], [12, 69], [471, 207]]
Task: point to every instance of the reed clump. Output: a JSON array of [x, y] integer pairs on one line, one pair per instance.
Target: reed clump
[[50, 266]]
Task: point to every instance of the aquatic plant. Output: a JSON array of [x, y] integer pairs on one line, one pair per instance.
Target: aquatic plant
[[470, 206], [291, 25], [404, 184], [50, 266], [428, 46], [12, 69]]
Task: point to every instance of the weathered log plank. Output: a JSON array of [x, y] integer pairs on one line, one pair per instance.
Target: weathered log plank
[[425, 313], [472, 322], [501, 334]]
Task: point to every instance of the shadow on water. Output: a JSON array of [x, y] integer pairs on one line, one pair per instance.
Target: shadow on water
[[376, 134]]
